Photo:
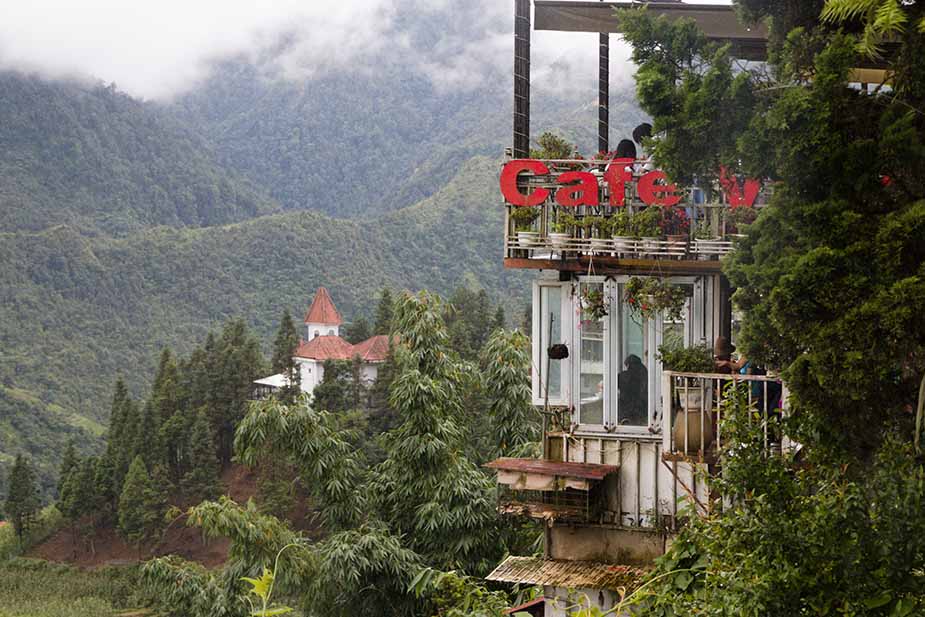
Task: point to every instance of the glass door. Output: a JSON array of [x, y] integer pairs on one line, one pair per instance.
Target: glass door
[[592, 378]]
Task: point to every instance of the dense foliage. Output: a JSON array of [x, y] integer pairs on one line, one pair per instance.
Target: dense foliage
[[426, 504], [831, 279]]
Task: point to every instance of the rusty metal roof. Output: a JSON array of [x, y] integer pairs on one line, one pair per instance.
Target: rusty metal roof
[[588, 471], [568, 574]]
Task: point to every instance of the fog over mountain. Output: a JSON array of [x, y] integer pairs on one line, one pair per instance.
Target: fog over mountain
[[160, 50]]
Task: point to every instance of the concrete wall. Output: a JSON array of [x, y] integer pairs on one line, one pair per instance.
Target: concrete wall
[[604, 544]]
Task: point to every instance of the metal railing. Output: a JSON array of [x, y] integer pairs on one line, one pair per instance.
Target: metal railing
[[693, 408]]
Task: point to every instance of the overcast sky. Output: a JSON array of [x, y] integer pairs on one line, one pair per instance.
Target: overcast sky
[[157, 50]]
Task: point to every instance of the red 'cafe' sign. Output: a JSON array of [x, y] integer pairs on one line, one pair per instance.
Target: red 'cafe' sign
[[580, 188]]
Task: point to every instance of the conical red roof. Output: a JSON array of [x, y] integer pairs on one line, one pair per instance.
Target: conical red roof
[[322, 310]]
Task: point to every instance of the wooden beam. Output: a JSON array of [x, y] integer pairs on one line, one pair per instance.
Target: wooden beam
[[615, 265]]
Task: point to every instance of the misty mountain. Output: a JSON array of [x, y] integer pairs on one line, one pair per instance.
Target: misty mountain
[[96, 159]]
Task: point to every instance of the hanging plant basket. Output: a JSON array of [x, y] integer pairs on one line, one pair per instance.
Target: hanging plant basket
[[594, 305], [649, 296]]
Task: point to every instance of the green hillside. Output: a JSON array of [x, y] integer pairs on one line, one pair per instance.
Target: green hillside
[[77, 311], [97, 160]]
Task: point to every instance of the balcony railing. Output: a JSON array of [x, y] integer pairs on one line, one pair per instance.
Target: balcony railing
[[693, 408]]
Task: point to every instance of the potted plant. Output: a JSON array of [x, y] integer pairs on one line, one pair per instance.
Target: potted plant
[[739, 218], [560, 231], [621, 230], [646, 226], [693, 425], [594, 304], [676, 225], [599, 231], [705, 239], [649, 296], [523, 218]]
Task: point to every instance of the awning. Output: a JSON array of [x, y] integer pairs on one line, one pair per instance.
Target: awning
[[569, 574], [718, 22]]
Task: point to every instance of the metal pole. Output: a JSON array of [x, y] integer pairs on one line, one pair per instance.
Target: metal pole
[[521, 78], [603, 94]]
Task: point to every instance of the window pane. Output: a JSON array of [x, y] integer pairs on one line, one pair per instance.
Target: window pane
[[633, 378], [591, 385], [550, 313]]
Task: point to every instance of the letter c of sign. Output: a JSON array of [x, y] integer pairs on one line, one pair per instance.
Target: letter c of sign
[[509, 189]]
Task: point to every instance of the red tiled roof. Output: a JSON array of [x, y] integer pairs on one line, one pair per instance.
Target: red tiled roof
[[322, 310], [329, 347], [375, 349]]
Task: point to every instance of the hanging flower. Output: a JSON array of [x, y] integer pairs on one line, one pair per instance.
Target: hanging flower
[[649, 296], [594, 304]]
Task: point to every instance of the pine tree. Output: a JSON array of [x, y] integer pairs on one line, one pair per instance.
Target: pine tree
[[165, 389], [105, 496], [384, 312], [284, 346], [147, 438], [201, 481], [238, 362], [132, 502], [22, 501], [499, 320], [174, 436], [358, 331], [69, 461]]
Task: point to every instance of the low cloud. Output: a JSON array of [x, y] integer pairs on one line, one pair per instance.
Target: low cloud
[[163, 49]]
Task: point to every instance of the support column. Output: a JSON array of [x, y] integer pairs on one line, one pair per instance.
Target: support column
[[521, 78], [603, 94]]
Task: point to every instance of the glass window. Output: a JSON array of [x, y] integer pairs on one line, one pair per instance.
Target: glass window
[[633, 378], [591, 373], [550, 334]]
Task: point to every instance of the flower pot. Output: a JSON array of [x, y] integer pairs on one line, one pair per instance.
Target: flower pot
[[677, 244], [527, 238], [688, 425], [559, 240], [650, 245], [600, 245], [706, 248], [624, 245]]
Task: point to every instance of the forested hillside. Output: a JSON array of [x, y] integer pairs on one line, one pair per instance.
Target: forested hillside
[[97, 160], [128, 226], [79, 311]]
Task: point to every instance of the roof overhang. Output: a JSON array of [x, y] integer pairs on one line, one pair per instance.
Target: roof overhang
[[718, 22]]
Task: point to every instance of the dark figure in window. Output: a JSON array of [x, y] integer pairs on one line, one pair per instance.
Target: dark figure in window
[[633, 392]]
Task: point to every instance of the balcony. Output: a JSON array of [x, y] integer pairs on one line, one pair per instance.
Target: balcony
[[578, 210], [693, 416]]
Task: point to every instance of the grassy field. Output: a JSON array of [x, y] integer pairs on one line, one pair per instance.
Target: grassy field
[[33, 588]]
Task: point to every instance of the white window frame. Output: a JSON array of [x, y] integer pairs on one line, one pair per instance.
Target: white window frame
[[693, 334], [538, 355], [576, 365]]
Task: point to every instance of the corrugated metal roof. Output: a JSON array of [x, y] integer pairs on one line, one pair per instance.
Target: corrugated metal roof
[[568, 574], [588, 471]]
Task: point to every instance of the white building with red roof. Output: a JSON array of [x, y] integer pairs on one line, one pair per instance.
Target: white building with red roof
[[322, 342]]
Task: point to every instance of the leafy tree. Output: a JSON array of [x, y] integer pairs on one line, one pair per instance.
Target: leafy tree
[[506, 358], [284, 346], [831, 269], [384, 312], [201, 480], [342, 388], [828, 277], [22, 500], [133, 502], [426, 489], [499, 320]]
